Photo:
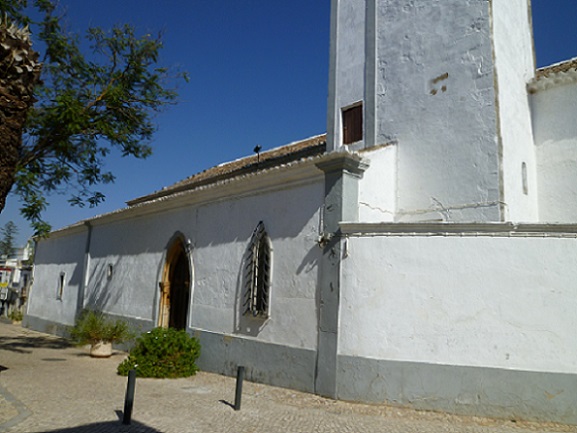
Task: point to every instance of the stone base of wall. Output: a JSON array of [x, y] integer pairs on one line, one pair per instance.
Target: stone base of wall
[[61, 330], [46, 326], [478, 391], [273, 364]]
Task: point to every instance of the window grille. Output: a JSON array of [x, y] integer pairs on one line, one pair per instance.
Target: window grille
[[258, 274]]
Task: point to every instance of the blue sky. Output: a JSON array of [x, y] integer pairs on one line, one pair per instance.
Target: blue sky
[[259, 71]]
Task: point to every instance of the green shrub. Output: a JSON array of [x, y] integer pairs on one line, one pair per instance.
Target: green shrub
[[162, 353], [93, 326], [16, 315]]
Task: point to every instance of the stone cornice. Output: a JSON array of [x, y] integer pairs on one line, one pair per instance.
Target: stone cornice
[[458, 229], [343, 161]]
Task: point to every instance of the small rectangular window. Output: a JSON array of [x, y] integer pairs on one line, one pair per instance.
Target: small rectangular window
[[524, 178], [61, 284], [353, 124]]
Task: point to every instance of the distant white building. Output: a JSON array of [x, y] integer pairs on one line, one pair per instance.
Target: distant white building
[[422, 253], [15, 278]]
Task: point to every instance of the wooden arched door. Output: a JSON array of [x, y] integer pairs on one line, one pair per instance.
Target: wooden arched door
[[175, 288]]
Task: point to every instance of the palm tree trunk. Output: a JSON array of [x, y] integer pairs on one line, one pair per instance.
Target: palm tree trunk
[[19, 72], [10, 146]]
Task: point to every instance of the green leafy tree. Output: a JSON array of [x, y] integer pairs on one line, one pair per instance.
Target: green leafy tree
[[7, 243], [64, 110]]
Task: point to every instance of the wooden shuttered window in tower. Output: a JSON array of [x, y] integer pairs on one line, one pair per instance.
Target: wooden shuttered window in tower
[[258, 274], [353, 124]]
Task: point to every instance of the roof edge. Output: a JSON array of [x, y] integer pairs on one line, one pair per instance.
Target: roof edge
[[557, 74], [251, 164]]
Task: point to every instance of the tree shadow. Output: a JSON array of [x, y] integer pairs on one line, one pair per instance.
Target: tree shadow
[[25, 344], [108, 427], [104, 289]]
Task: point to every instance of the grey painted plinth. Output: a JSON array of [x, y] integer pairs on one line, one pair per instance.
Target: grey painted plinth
[[272, 364], [479, 391], [61, 329], [46, 326]]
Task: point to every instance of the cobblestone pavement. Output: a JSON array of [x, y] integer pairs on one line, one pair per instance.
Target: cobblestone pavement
[[48, 386]]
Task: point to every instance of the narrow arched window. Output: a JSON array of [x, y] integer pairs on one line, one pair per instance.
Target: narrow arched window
[[61, 285], [258, 281], [524, 178]]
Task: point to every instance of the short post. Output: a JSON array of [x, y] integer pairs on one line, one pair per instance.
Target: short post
[[238, 394], [129, 399]]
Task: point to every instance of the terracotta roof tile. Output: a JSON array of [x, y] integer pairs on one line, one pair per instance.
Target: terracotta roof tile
[[270, 158], [566, 66]]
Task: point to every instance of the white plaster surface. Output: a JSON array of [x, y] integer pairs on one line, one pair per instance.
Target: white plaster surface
[[555, 129], [436, 98], [62, 253], [136, 249], [506, 302], [515, 67], [351, 55], [378, 187], [220, 235], [451, 92], [349, 58]]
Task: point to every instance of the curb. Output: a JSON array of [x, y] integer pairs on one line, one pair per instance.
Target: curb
[[23, 411]]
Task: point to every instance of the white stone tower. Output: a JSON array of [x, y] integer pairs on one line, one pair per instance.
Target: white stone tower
[[444, 81]]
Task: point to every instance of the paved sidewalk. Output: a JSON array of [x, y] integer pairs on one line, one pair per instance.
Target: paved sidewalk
[[48, 386]]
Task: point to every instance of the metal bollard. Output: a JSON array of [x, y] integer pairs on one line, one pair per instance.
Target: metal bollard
[[129, 399], [238, 394]]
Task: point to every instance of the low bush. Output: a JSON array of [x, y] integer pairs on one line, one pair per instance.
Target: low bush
[[16, 315], [162, 353]]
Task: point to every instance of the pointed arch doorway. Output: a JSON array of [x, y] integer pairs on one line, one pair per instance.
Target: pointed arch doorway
[[175, 287]]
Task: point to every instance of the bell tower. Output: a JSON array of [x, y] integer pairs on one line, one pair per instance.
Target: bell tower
[[445, 82]]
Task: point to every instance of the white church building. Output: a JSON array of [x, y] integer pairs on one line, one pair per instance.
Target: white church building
[[422, 253]]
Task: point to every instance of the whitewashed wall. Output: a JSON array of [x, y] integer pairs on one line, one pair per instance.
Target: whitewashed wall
[[515, 67], [474, 322], [62, 252], [136, 249], [436, 98], [502, 302], [554, 111], [446, 82], [221, 236], [347, 68], [378, 186], [219, 233]]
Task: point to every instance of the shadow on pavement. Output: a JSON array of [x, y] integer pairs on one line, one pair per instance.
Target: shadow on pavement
[[108, 427], [24, 344], [226, 403]]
